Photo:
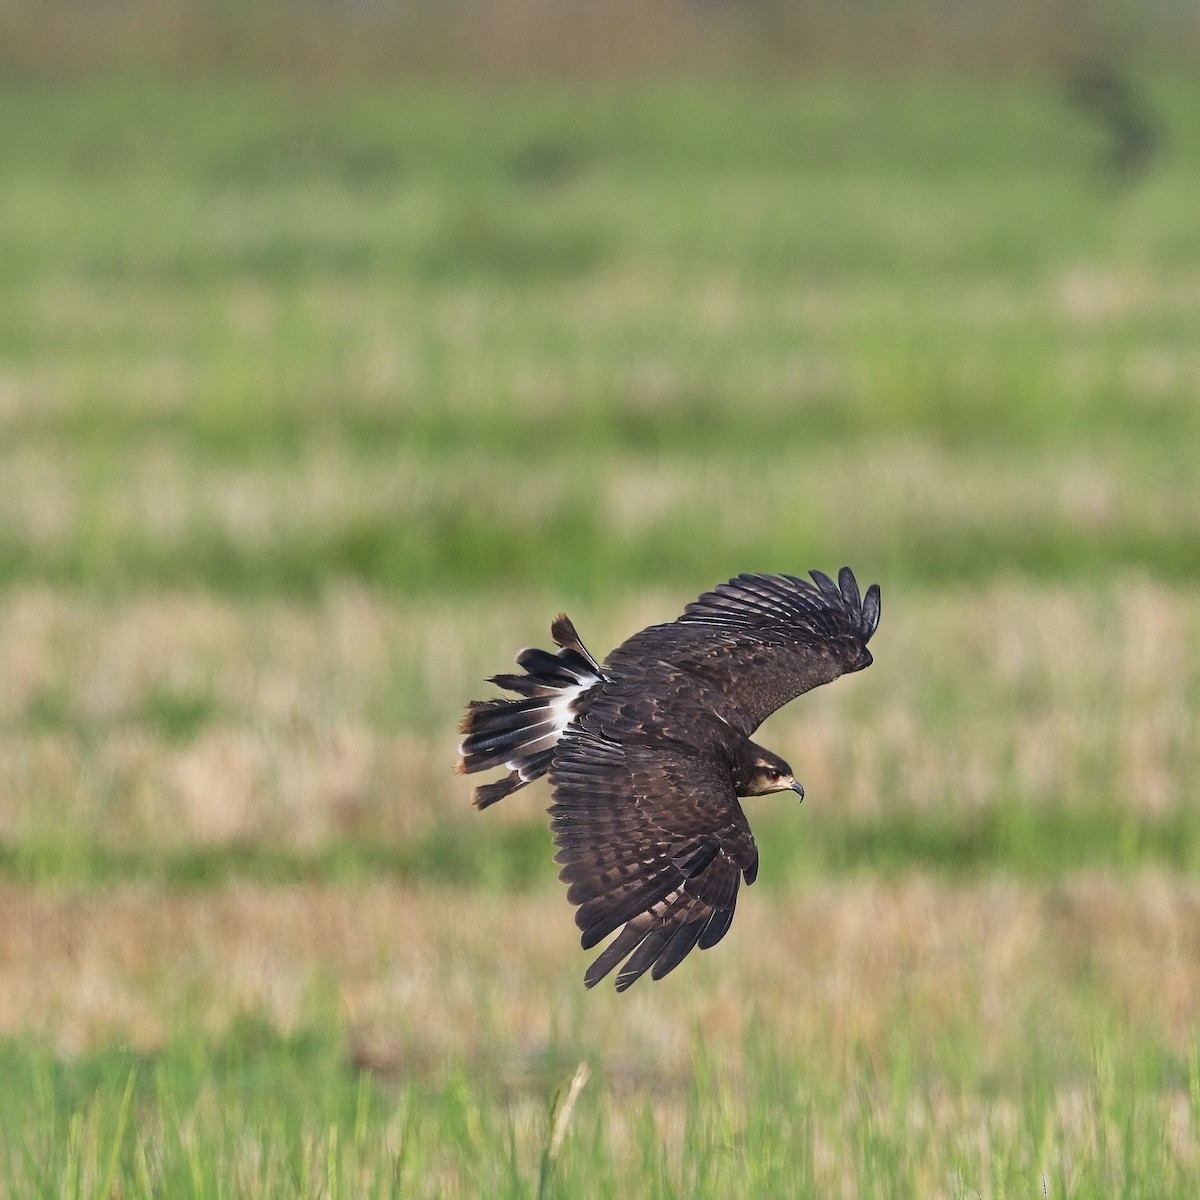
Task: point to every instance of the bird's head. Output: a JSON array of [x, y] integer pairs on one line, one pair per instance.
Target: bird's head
[[758, 772]]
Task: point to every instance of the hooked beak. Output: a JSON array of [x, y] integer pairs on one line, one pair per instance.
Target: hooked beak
[[798, 788]]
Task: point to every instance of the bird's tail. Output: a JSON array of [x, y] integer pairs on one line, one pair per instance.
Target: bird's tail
[[521, 734]]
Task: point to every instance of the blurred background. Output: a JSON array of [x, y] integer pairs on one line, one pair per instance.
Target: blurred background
[[342, 344]]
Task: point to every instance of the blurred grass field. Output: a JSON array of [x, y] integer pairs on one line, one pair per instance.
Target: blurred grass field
[[317, 404]]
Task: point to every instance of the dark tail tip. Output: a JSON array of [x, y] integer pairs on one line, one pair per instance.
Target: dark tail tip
[[487, 794], [562, 630]]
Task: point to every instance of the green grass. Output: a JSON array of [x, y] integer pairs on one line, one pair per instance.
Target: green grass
[[470, 323], [1017, 841], [261, 1115]]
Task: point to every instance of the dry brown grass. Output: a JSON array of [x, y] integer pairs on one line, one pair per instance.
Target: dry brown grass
[[977, 978], [302, 723], [502, 39]]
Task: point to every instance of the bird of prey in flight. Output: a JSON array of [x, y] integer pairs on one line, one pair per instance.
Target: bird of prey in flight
[[648, 753]]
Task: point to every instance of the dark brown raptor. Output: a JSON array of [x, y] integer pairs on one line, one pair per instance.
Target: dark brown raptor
[[649, 752]]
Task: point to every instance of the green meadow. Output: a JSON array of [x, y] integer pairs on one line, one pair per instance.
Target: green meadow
[[318, 401]]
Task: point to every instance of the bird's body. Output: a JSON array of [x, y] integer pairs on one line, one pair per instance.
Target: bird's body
[[649, 752]]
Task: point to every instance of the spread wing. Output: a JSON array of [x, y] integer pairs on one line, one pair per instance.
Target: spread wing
[[762, 640], [652, 839]]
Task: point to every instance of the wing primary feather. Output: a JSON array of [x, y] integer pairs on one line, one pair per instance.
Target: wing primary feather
[[644, 956], [622, 945], [682, 942], [717, 927], [848, 586], [828, 588], [870, 611], [718, 885]]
